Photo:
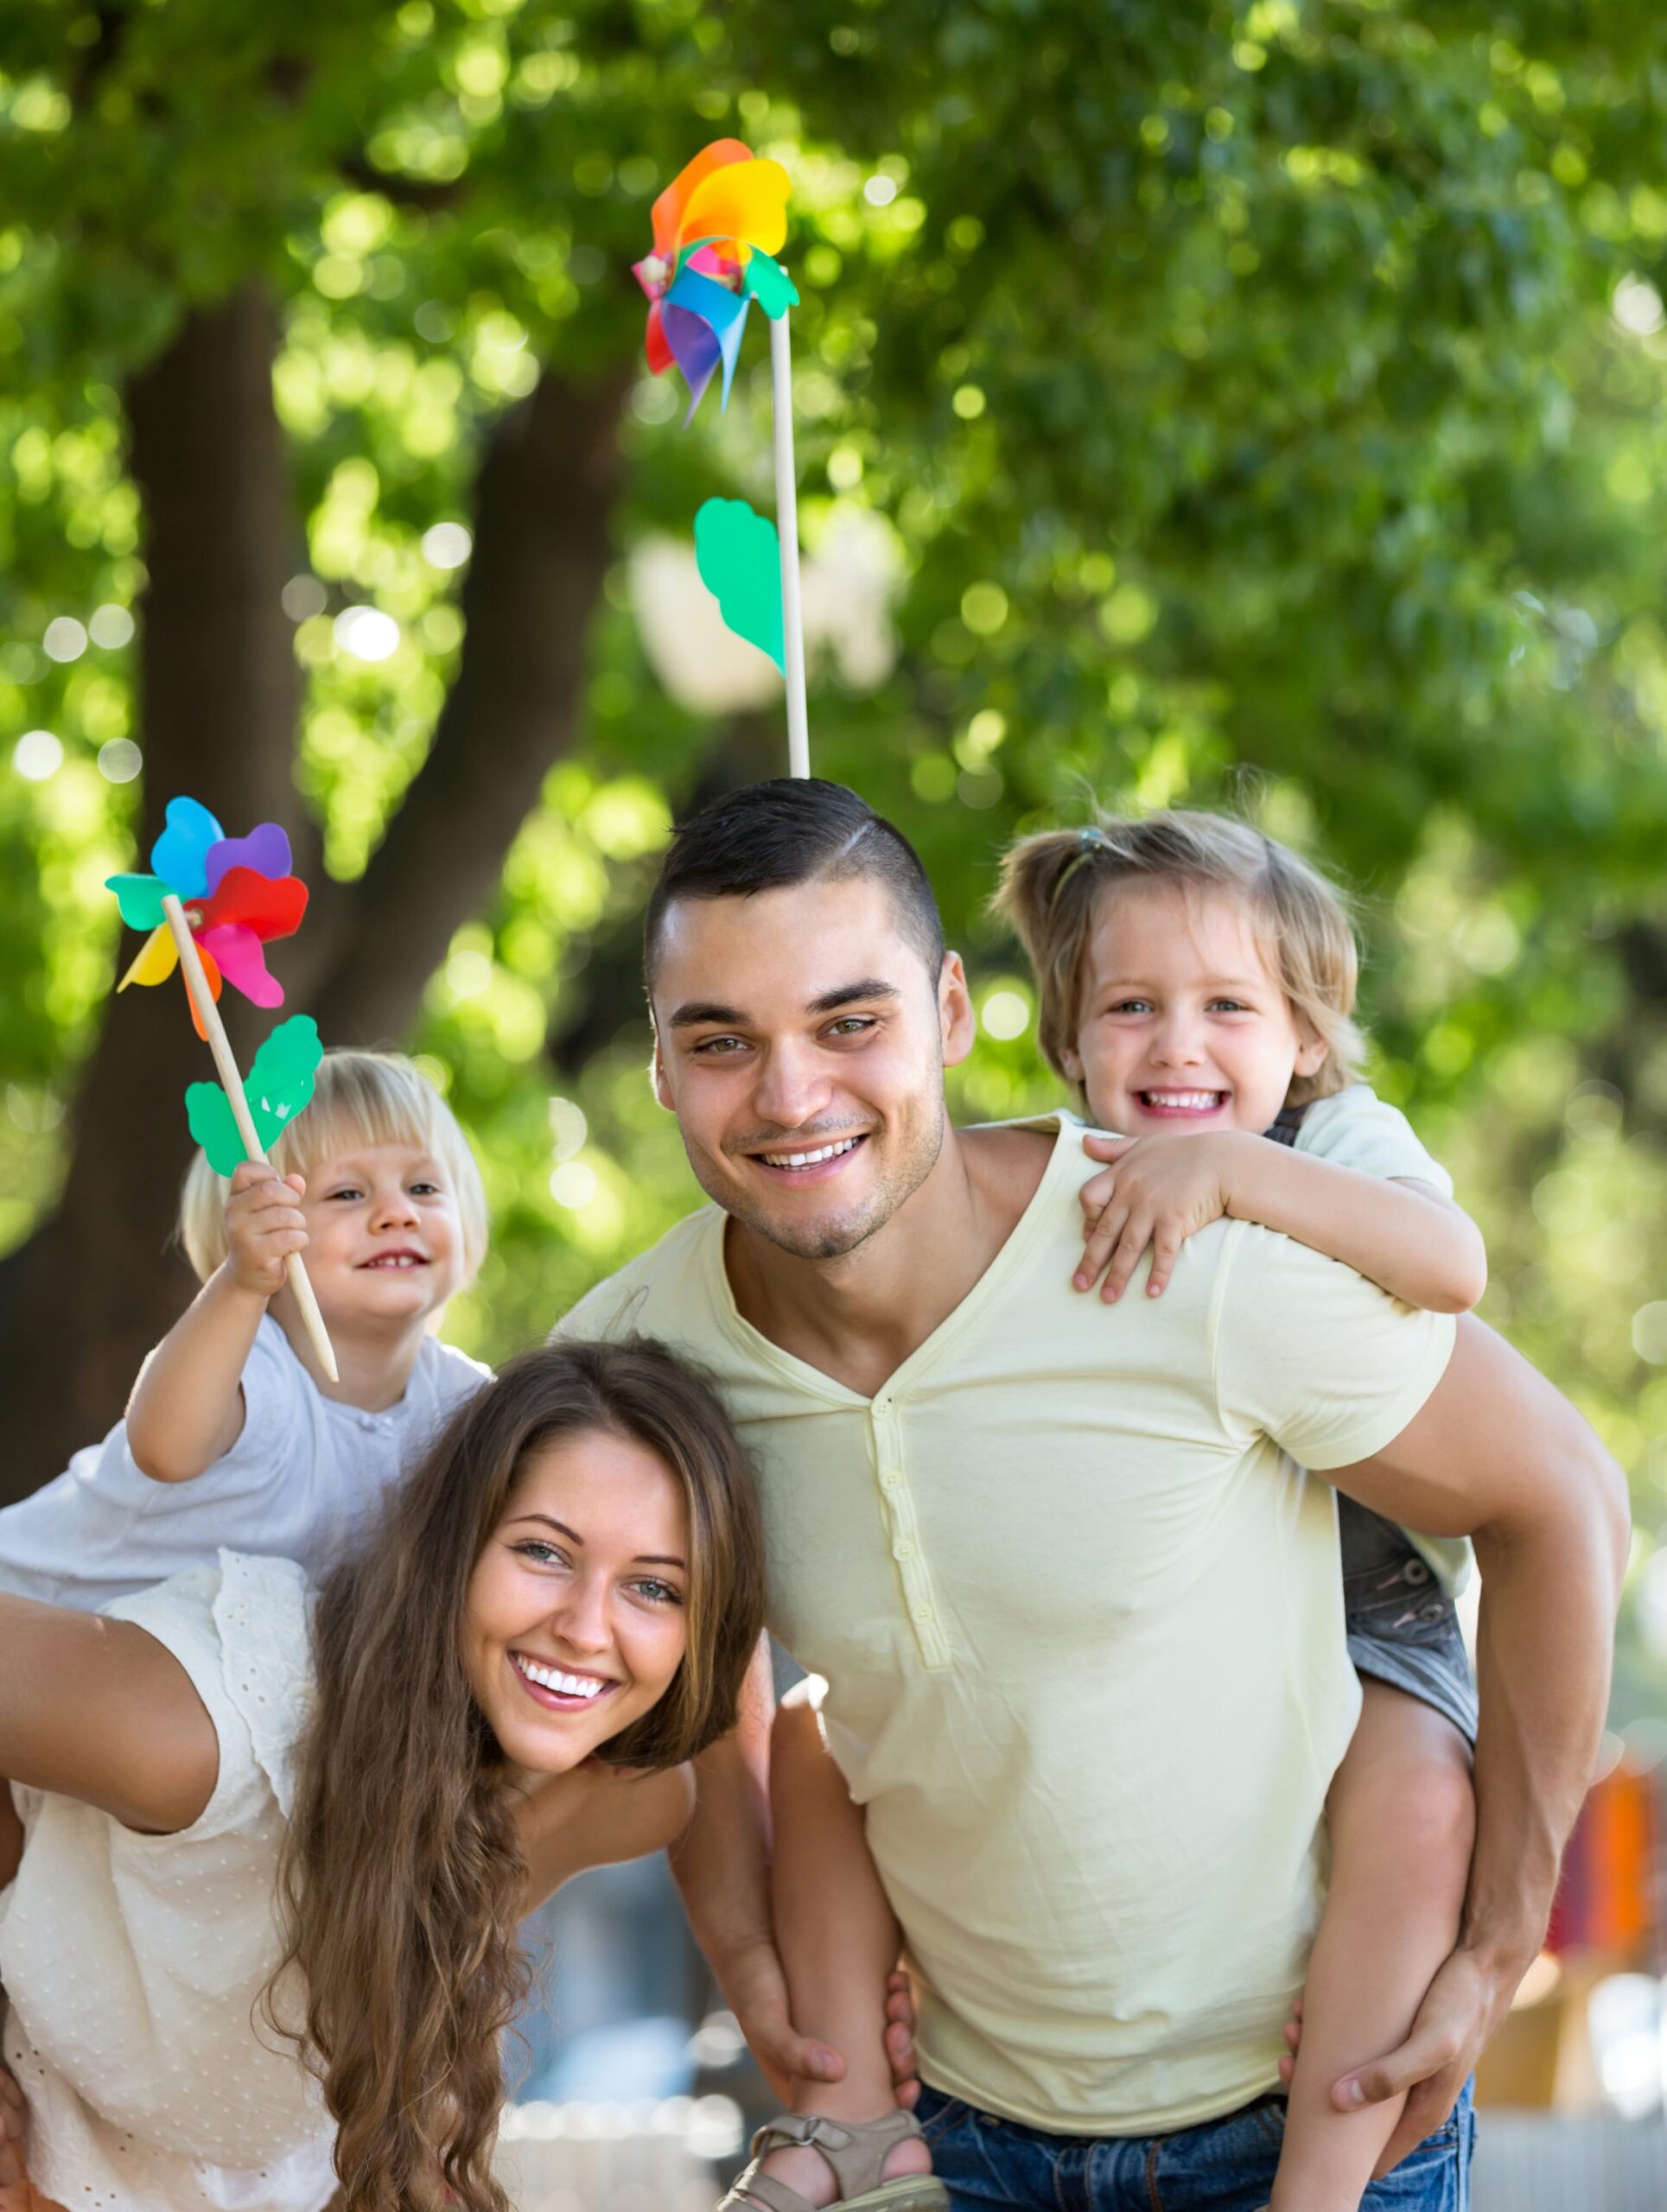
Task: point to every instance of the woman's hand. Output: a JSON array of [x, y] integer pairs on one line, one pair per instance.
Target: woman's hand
[[1157, 1190], [263, 1225]]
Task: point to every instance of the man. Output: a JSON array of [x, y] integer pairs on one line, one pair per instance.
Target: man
[[1078, 1610]]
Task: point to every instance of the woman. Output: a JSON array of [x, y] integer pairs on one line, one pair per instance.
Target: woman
[[248, 1835]]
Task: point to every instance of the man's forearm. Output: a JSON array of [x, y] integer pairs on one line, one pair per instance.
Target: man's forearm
[[721, 1861], [1544, 1640]]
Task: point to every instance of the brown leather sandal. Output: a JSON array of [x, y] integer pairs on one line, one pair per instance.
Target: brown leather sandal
[[857, 2150]]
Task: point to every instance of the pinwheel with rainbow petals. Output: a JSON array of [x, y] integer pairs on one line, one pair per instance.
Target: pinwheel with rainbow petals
[[211, 906], [717, 227], [237, 895]]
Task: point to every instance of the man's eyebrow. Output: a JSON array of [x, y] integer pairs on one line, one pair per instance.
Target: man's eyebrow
[[696, 1014], [871, 986], [643, 1558], [693, 1013]]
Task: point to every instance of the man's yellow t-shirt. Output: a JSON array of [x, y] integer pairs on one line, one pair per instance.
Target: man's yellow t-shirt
[[1079, 1615]]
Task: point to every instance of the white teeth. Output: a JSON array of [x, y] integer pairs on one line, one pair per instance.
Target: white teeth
[[552, 1678], [1200, 1101], [810, 1158]]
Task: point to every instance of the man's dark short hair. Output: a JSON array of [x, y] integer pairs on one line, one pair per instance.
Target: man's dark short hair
[[794, 829]]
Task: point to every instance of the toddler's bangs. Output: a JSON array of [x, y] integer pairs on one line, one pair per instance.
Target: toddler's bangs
[[361, 1100]]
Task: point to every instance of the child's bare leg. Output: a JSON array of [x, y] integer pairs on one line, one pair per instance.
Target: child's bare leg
[[1402, 1815], [838, 1941]]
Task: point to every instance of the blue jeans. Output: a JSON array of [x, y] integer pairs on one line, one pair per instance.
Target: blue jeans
[[1227, 2165]]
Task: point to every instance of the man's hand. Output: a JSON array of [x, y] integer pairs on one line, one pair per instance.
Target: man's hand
[[757, 1991], [1158, 1191], [899, 2039], [1462, 2008], [1459, 2016]]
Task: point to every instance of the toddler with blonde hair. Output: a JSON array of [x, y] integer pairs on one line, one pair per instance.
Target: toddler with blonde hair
[[233, 1437]]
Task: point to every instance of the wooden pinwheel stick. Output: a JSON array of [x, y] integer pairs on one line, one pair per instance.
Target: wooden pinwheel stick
[[232, 1082], [792, 625]]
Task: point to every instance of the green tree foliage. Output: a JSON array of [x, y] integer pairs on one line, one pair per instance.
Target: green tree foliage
[[1261, 402]]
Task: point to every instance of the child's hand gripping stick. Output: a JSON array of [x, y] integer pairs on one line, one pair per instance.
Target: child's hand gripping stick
[[213, 1029]]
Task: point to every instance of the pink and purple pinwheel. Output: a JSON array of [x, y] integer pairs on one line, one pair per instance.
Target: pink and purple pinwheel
[[238, 894], [716, 226]]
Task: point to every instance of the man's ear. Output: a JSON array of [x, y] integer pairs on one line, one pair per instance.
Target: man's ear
[[955, 1014], [657, 1074]]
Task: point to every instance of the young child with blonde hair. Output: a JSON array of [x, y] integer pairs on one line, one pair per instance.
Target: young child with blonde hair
[[234, 1437], [1197, 980]]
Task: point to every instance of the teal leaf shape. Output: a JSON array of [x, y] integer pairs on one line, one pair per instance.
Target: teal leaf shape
[[140, 898], [740, 562], [278, 1087], [769, 285]]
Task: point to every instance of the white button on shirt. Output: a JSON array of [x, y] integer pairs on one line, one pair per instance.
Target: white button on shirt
[[1080, 1619]]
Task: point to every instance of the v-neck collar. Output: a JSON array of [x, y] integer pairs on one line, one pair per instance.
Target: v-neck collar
[[1034, 1221]]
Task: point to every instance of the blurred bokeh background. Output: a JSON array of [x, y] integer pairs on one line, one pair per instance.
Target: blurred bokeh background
[[1200, 402]]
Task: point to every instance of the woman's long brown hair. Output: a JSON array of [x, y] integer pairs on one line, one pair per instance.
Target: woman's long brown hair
[[401, 1879]]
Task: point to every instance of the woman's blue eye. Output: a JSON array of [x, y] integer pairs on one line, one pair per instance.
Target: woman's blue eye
[[662, 1593], [546, 1555]]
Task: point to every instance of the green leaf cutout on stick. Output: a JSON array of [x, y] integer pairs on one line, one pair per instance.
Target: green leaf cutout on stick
[[740, 561], [768, 282], [278, 1087]]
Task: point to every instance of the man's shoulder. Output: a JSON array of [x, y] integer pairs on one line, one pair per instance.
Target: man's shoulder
[[668, 1282]]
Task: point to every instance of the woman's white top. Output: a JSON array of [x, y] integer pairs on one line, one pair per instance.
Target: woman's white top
[[135, 1964], [303, 1481]]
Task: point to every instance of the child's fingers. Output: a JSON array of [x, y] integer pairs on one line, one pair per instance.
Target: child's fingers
[[248, 1173], [1166, 1249], [1136, 1235], [263, 1207], [1096, 1193], [1100, 1244], [257, 1197], [282, 1242], [1103, 1147]]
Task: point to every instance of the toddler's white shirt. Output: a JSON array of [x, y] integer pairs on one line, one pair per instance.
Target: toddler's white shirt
[[303, 1481]]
